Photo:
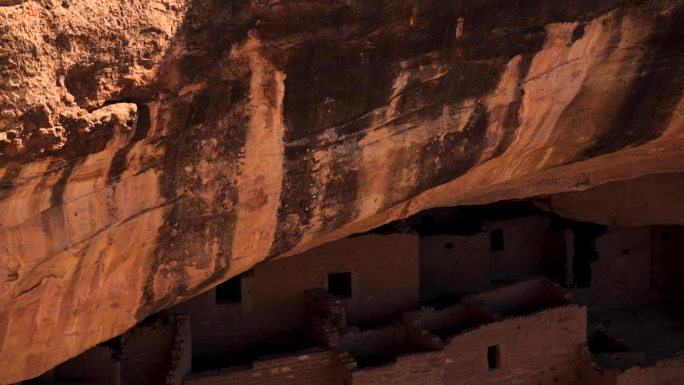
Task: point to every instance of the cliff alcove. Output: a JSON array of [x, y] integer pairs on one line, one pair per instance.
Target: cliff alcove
[[151, 150]]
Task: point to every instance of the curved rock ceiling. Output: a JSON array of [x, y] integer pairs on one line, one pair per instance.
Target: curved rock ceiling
[[655, 199], [151, 149]]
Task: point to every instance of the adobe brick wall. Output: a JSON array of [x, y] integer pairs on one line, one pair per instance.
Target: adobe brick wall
[[453, 264], [410, 369], [385, 277], [622, 273], [146, 352], [312, 368], [385, 281], [539, 348], [524, 244]]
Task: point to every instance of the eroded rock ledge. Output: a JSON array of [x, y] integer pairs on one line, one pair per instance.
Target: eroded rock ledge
[[151, 149]]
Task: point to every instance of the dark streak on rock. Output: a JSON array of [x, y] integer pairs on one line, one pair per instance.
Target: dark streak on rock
[[118, 165], [653, 93], [517, 14], [338, 81], [193, 225], [296, 200], [7, 184], [446, 159], [215, 116], [475, 67], [340, 62], [341, 190], [512, 119], [57, 196], [82, 142]]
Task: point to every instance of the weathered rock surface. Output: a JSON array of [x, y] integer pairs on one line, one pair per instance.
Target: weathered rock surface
[[151, 149], [649, 200]]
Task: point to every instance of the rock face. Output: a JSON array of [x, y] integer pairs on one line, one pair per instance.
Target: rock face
[[648, 200], [151, 149]]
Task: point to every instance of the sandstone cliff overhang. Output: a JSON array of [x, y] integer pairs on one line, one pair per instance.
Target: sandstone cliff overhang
[[151, 149]]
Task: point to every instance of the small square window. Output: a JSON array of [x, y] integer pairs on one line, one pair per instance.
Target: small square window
[[665, 236], [493, 357], [624, 252], [340, 284], [449, 245], [230, 291], [496, 240]]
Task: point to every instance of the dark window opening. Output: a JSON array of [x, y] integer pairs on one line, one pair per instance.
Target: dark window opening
[[449, 245], [624, 252], [493, 357], [665, 236], [585, 252], [340, 284], [496, 240], [230, 291]]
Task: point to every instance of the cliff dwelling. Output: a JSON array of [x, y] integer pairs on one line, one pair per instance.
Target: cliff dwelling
[[341, 192], [510, 292]]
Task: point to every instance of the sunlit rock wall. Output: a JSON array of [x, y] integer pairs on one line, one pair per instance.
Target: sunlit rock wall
[[152, 149]]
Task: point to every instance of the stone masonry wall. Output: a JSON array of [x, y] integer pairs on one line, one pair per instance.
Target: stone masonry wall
[[453, 264], [523, 247], [384, 282], [312, 368], [410, 369], [622, 273], [146, 352], [541, 348]]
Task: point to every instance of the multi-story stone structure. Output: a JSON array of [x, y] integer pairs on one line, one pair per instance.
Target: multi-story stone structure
[[349, 313]]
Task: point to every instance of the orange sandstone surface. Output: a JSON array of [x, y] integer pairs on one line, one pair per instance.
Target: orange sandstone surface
[[150, 150]]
